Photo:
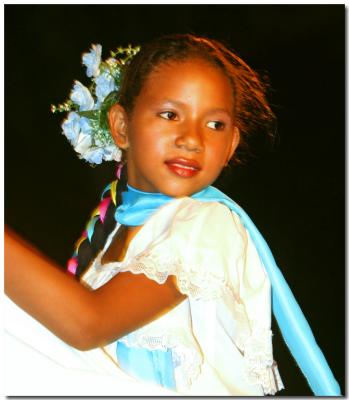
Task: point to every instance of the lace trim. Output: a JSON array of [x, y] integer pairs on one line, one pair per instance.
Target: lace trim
[[187, 361], [260, 367], [192, 281]]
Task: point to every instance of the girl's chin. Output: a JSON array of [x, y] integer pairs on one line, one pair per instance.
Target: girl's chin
[[171, 187]]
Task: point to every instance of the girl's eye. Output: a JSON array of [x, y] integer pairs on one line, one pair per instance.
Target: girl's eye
[[216, 125], [169, 115]]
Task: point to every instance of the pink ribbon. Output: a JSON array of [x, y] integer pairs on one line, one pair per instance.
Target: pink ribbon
[[72, 265], [118, 170], [103, 207]]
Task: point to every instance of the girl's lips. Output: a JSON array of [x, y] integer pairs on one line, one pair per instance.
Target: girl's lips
[[183, 167]]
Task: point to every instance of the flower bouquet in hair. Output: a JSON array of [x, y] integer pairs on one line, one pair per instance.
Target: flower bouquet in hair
[[86, 126]]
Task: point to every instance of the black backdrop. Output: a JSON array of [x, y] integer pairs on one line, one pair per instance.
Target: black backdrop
[[294, 192]]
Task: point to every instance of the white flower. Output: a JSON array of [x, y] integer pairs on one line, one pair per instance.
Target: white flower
[[81, 96], [78, 132], [111, 153], [104, 85], [83, 143], [92, 60], [94, 156], [71, 127]]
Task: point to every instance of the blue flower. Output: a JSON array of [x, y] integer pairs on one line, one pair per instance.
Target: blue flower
[[85, 126], [81, 96], [78, 131], [94, 156], [88, 134], [104, 85], [92, 60], [112, 152], [71, 127]]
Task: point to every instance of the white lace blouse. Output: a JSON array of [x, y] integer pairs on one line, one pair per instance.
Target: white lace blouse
[[220, 334]]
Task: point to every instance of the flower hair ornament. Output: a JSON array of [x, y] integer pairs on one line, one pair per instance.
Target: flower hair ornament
[[86, 126]]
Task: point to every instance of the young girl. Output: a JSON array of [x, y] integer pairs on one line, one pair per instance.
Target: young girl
[[175, 281]]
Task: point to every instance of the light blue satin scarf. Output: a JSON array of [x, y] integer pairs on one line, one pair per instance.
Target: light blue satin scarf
[[138, 206], [154, 366]]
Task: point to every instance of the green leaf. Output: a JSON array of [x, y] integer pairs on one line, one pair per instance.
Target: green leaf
[[111, 99], [91, 114]]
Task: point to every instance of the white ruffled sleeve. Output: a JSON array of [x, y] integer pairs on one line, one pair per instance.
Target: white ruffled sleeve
[[185, 249]]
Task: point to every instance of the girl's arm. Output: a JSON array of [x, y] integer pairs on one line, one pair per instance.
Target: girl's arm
[[83, 318]]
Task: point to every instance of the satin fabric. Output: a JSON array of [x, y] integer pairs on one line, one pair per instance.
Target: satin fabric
[[138, 206], [154, 366]]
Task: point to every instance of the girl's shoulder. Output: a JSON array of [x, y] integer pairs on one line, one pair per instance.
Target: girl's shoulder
[[192, 220], [191, 213], [190, 233]]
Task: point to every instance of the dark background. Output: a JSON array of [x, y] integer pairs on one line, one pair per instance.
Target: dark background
[[294, 191]]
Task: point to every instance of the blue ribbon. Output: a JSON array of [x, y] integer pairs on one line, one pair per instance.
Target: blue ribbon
[[138, 206], [147, 365]]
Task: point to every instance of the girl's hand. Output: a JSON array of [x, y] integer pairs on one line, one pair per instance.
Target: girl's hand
[[83, 318]]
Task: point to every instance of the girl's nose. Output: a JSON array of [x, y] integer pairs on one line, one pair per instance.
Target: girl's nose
[[190, 140]]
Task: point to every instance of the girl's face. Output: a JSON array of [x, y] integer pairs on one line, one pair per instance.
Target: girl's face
[[181, 133]]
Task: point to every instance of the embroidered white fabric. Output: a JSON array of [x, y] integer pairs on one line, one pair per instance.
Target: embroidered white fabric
[[191, 281], [258, 356], [186, 360], [220, 336]]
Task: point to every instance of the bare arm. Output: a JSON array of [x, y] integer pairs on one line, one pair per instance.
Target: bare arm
[[84, 319]]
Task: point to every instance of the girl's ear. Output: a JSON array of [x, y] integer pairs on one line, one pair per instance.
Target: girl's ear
[[117, 118], [234, 144]]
